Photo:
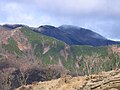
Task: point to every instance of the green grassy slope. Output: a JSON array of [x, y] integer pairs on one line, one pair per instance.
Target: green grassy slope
[[74, 53], [11, 47], [84, 59]]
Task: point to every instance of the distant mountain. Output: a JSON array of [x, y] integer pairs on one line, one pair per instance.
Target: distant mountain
[[73, 35], [69, 34], [12, 26]]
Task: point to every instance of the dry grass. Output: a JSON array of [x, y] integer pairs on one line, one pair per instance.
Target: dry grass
[[102, 81]]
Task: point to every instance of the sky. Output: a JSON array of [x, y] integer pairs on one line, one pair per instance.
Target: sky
[[101, 16]]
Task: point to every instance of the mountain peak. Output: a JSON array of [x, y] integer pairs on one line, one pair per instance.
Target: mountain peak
[[74, 35], [13, 26], [46, 26]]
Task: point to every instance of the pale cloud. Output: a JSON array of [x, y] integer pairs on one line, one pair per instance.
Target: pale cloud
[[15, 13], [80, 8], [102, 16], [76, 6]]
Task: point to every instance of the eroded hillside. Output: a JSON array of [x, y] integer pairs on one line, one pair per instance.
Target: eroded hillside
[[27, 56], [22, 42]]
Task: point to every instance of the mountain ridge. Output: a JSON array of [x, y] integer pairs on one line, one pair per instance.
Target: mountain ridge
[[72, 35]]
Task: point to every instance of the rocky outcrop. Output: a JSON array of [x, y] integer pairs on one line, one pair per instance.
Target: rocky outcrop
[[115, 49], [102, 81], [21, 40]]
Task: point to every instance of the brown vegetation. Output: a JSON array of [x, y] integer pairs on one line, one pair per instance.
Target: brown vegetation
[[18, 72], [22, 72], [102, 81]]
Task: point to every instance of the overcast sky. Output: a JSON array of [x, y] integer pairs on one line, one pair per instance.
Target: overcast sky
[[102, 16]]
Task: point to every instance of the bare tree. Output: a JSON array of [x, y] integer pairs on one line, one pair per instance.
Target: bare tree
[[6, 78], [90, 61]]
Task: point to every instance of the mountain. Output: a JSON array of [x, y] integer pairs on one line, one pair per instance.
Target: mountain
[[27, 56], [12, 26], [73, 35], [69, 34], [22, 42]]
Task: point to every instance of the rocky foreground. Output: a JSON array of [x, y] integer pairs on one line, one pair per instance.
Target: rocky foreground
[[102, 81]]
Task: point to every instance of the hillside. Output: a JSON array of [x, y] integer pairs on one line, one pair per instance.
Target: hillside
[[72, 35], [27, 56], [102, 81], [24, 42]]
